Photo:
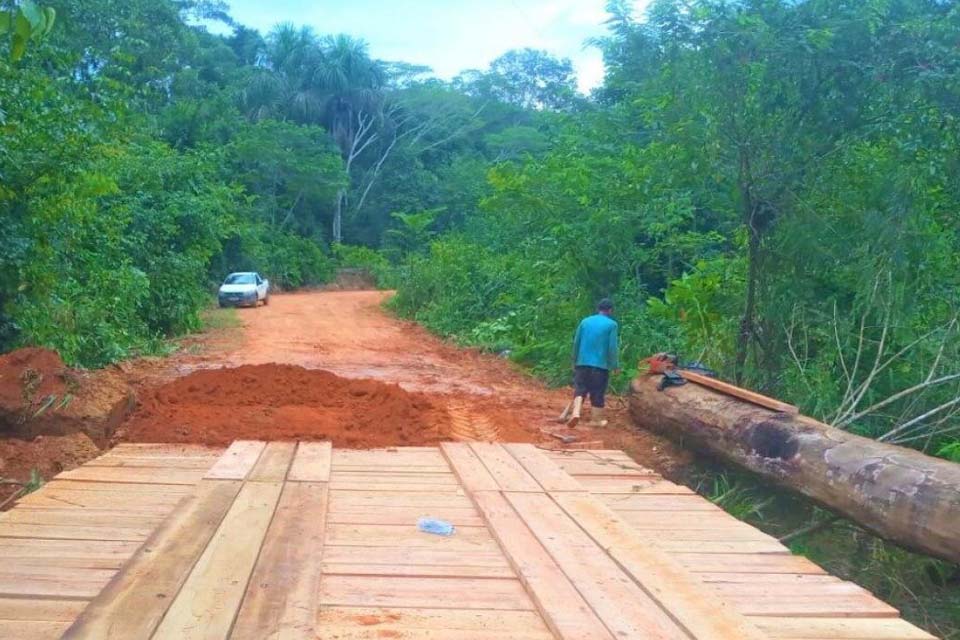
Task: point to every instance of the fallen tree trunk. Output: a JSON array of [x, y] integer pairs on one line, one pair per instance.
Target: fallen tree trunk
[[900, 494]]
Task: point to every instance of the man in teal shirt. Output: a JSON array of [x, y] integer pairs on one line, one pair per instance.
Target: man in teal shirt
[[595, 355]]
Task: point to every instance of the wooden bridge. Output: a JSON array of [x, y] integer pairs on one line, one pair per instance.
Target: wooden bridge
[[300, 541]]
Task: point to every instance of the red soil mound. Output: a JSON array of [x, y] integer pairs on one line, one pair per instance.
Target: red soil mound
[[284, 402]]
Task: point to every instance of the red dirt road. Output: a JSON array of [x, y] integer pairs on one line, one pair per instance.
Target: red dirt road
[[394, 383], [332, 365]]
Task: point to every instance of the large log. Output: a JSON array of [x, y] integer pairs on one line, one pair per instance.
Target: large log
[[900, 494]]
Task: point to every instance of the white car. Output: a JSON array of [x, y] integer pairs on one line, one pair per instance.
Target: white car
[[244, 289]]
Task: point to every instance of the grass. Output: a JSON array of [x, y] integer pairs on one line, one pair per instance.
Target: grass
[[216, 318]]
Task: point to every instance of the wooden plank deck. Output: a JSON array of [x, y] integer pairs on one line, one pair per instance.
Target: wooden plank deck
[[303, 541]]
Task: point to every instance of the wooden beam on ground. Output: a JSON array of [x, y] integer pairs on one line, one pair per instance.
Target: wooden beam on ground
[[281, 597], [273, 462], [544, 470], [562, 607], [132, 604], [508, 473], [472, 473], [311, 463], [237, 461], [207, 602], [626, 609], [681, 594]]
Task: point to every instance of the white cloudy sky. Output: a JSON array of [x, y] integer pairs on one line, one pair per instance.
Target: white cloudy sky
[[449, 35]]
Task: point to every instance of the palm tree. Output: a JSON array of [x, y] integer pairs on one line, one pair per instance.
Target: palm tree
[[330, 81]]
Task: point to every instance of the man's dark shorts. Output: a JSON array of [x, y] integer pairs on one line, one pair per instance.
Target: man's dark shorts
[[591, 381]]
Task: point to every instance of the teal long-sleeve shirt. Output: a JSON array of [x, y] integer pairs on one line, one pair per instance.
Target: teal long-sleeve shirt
[[596, 343]]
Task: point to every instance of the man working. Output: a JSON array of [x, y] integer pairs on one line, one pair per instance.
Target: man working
[[595, 347]]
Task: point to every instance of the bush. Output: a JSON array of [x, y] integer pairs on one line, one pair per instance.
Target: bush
[[373, 262]]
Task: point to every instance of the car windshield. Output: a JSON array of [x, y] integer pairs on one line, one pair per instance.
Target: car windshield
[[240, 278]]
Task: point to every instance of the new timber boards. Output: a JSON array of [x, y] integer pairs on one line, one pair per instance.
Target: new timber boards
[[301, 541]]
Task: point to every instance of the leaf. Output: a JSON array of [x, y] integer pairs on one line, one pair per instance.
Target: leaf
[[18, 47], [33, 14], [50, 17], [21, 27], [6, 21]]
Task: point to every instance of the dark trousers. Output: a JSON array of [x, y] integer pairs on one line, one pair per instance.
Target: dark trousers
[[591, 381]]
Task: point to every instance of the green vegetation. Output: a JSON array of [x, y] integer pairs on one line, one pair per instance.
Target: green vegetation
[[765, 186]]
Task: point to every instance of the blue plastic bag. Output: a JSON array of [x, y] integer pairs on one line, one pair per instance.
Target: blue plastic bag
[[435, 526]]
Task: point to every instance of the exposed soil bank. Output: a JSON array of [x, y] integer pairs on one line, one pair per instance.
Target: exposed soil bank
[[39, 395]]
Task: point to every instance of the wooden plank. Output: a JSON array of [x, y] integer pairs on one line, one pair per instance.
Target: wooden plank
[[87, 517], [70, 532], [682, 520], [134, 503], [799, 580], [819, 606], [52, 582], [403, 456], [399, 479], [472, 473], [562, 607], [154, 462], [739, 392], [412, 570], [545, 471], [49, 551], [311, 463], [393, 591], [32, 629], [207, 602], [131, 606], [392, 554], [47, 609], [647, 502], [273, 463], [280, 601], [237, 461], [146, 489], [349, 623], [840, 629], [626, 609], [720, 546], [133, 475], [508, 473], [599, 466], [760, 563], [690, 603], [459, 517], [372, 499], [633, 485], [728, 534], [364, 535]]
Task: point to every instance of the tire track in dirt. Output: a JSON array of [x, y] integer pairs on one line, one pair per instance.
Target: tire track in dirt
[[467, 425]]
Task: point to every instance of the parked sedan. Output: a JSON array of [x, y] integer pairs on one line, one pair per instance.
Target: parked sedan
[[244, 289]]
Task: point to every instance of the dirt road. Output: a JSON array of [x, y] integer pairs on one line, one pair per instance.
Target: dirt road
[[335, 366], [410, 387]]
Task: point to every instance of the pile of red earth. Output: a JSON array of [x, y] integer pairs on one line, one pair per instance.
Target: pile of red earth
[[283, 402]]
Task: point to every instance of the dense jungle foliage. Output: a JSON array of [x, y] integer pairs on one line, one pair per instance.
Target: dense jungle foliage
[[768, 186]]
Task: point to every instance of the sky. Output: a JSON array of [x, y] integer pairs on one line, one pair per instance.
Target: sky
[[449, 36]]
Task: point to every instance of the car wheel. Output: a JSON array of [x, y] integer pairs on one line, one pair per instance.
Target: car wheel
[[266, 299]]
